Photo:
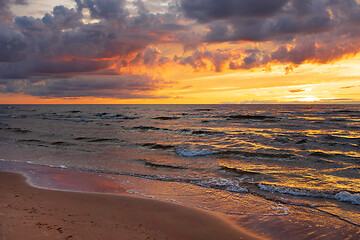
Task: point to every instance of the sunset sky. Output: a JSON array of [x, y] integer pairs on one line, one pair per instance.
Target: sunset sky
[[179, 51]]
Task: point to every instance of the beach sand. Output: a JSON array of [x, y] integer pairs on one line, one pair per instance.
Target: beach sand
[[29, 213]]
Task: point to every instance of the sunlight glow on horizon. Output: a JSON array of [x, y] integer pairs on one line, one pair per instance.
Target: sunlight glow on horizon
[[150, 62]]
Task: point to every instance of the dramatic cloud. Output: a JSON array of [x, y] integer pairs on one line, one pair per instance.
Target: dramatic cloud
[[208, 10], [300, 31], [122, 87], [98, 37], [296, 90], [67, 51], [263, 20]]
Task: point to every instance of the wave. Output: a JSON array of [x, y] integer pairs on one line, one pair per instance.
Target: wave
[[7, 116], [155, 165], [288, 112], [281, 140], [100, 114], [292, 191], [199, 132], [74, 111], [117, 116], [193, 152], [56, 117], [223, 183], [205, 132], [166, 118], [95, 140], [342, 139], [3, 124], [103, 140], [302, 141], [30, 141], [61, 143], [82, 138], [256, 154], [19, 130], [237, 171], [342, 155], [157, 146], [320, 154], [184, 152], [185, 130], [220, 183], [44, 143], [250, 117], [146, 128], [344, 111], [203, 110], [129, 118], [338, 120], [343, 196]]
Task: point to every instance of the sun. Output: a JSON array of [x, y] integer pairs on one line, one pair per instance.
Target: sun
[[308, 98]]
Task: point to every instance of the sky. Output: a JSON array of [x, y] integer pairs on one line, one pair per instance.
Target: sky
[[179, 51]]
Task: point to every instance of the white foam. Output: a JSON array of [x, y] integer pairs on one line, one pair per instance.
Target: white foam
[[343, 196], [222, 183], [292, 191], [63, 166], [193, 152], [285, 210], [348, 197], [140, 194]]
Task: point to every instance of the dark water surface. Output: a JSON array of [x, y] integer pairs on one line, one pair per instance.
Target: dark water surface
[[280, 170]]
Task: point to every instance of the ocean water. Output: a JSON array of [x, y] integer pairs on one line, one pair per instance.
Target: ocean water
[[278, 170]]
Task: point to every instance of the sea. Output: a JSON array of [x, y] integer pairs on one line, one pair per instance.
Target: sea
[[280, 171]]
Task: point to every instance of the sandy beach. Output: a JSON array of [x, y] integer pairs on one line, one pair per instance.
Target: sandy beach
[[30, 213]]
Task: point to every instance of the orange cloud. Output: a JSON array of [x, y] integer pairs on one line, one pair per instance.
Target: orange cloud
[[296, 90], [347, 87]]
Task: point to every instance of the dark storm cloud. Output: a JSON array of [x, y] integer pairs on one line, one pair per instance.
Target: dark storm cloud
[[208, 10], [63, 33], [281, 28], [117, 87], [260, 20], [122, 87], [295, 31], [66, 44], [104, 9], [12, 45], [106, 38]]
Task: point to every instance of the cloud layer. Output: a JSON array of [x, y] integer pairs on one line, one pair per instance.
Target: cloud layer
[[290, 32], [95, 40], [101, 47]]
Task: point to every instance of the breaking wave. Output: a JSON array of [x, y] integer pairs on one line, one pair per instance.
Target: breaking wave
[[344, 196], [193, 152]]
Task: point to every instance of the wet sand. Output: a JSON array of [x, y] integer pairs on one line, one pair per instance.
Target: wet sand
[[32, 213]]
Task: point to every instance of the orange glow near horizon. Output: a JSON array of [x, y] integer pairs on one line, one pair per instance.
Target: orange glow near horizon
[[336, 82], [122, 52]]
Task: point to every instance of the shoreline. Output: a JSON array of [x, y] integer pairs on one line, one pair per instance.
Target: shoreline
[[28, 212]]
